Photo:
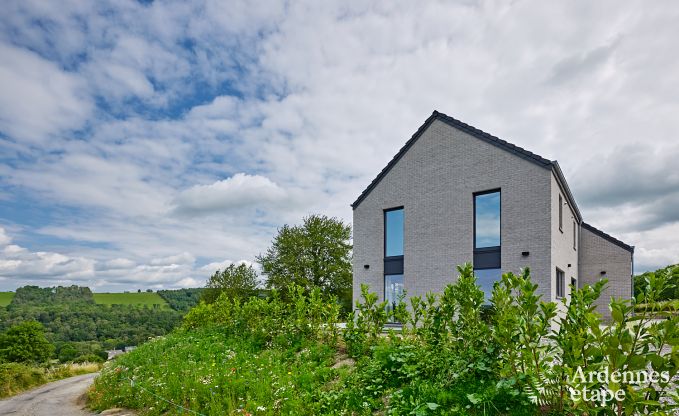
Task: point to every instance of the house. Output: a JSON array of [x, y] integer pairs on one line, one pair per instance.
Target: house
[[455, 194]]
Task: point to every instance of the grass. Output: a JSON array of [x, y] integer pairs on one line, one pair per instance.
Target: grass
[[206, 370], [6, 298], [16, 378], [138, 299]]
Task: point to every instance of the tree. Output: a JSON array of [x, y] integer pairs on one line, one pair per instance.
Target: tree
[[236, 281], [25, 342], [314, 254]]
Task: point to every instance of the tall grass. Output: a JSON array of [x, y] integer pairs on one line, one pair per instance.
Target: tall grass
[[16, 377]]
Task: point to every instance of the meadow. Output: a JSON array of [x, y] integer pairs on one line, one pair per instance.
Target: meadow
[[150, 299], [6, 298]]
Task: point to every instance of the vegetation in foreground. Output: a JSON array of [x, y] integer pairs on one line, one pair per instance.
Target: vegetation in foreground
[[17, 377], [455, 356]]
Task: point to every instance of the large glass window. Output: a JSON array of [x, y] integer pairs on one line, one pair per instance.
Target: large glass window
[[393, 229], [393, 290], [487, 220], [485, 278]]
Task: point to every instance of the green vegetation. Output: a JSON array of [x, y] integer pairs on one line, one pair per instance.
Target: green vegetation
[[670, 273], [151, 300], [181, 299], [25, 343], [454, 356], [316, 254], [235, 281], [6, 298], [15, 378]]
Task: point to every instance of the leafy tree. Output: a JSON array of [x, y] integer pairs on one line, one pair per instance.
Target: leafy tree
[[314, 254], [236, 281], [67, 353], [25, 342], [669, 272]]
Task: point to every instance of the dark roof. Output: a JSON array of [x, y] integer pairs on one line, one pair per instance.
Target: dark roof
[[607, 237], [479, 134]]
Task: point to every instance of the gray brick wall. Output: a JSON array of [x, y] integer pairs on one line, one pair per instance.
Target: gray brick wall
[[435, 181], [598, 254]]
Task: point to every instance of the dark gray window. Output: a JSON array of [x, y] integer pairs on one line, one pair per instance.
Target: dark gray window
[[560, 213], [574, 284], [393, 232], [487, 220], [560, 283]]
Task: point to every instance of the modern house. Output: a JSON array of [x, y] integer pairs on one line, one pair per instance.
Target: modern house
[[455, 194]]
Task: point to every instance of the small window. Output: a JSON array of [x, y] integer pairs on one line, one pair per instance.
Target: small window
[[393, 290], [561, 213], [575, 236], [560, 283], [574, 284], [486, 278]]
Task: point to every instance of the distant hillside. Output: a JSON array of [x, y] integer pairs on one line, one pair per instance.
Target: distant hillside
[[6, 298], [182, 299], [148, 299]]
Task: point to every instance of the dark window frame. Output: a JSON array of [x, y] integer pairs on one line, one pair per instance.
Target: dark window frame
[[560, 213], [496, 250], [384, 233], [474, 195], [560, 283]]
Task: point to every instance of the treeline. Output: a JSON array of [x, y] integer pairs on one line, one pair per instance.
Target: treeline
[[34, 295], [671, 273], [181, 299]]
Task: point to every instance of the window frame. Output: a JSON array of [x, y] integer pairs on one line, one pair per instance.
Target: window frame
[[481, 193], [384, 233], [575, 236], [560, 283], [560, 213]]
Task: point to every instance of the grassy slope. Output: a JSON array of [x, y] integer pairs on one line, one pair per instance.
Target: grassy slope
[[215, 374], [143, 298], [6, 298]]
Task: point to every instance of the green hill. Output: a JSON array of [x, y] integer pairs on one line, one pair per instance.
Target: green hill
[[149, 299], [6, 298]]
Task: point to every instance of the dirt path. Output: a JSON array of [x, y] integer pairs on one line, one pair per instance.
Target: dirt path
[[58, 398]]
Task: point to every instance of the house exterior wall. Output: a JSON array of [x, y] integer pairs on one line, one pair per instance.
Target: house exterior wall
[[563, 255], [435, 181], [597, 254]]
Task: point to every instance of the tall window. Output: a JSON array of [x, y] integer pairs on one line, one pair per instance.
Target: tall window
[[393, 232], [487, 239], [575, 236], [560, 213], [560, 283], [487, 220], [393, 256]]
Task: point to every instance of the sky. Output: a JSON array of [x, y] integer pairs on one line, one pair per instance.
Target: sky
[[147, 144]]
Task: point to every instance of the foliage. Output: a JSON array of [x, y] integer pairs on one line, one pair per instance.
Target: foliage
[[314, 254], [15, 377], [181, 299], [25, 343], [671, 273], [455, 355], [34, 295], [235, 281]]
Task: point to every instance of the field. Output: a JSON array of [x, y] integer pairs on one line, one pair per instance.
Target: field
[[138, 299], [6, 298]]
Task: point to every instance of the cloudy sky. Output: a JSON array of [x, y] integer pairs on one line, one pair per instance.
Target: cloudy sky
[[146, 144]]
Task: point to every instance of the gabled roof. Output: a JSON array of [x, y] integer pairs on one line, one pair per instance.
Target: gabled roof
[[608, 237], [481, 135]]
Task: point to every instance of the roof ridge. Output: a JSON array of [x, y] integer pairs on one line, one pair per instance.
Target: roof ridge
[[608, 237], [478, 133]]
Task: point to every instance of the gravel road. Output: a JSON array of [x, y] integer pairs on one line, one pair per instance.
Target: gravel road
[[63, 397]]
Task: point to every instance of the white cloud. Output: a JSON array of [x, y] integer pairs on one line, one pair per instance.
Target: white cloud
[[237, 192], [4, 238], [38, 99]]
